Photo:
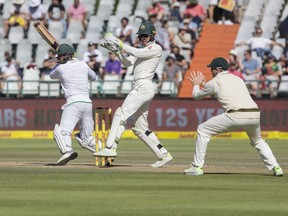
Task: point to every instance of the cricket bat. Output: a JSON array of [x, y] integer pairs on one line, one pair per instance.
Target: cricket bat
[[46, 35]]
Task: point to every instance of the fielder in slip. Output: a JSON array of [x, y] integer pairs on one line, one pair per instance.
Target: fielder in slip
[[144, 61], [240, 112], [74, 76]]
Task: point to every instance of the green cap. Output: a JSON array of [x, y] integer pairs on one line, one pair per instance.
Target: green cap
[[219, 62], [65, 49], [147, 28]]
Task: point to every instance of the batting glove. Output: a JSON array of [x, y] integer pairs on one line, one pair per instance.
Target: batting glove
[[112, 40]]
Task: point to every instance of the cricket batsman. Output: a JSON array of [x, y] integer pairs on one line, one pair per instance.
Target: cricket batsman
[[74, 76], [241, 112], [144, 61]]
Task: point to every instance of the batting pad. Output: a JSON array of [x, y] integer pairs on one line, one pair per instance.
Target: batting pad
[[59, 139]]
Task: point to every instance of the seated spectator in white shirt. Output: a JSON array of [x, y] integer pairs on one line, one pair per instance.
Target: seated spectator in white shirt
[[261, 45], [125, 31], [10, 72], [94, 58], [37, 11]]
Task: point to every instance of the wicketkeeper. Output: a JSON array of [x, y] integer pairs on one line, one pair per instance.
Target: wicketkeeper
[[144, 61], [74, 76], [241, 112]]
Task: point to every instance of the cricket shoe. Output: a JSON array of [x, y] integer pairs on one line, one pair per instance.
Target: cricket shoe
[[66, 158], [194, 170], [277, 171], [166, 159], [106, 152], [89, 143]]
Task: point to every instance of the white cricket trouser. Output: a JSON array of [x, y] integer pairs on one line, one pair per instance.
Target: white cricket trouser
[[78, 112], [224, 123], [136, 106]]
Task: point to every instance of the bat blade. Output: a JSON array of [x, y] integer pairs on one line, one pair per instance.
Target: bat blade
[[46, 35]]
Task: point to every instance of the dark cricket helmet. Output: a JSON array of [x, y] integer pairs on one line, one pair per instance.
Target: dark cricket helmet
[[147, 28], [64, 49]]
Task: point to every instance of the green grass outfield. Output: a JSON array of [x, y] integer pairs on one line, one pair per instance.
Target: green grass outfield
[[235, 181]]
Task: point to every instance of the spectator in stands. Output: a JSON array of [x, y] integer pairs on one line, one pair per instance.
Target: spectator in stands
[[18, 15], [261, 45], [233, 57], [175, 13], [191, 27], [94, 58], [93, 51], [113, 65], [156, 9], [234, 69], [164, 36], [1, 6], [184, 41], [10, 71], [153, 19], [238, 11], [251, 71], [172, 71], [179, 59], [284, 69], [78, 12], [48, 63], [197, 11], [125, 31], [211, 9], [56, 13], [37, 11], [4, 62], [224, 13], [283, 28], [271, 74]]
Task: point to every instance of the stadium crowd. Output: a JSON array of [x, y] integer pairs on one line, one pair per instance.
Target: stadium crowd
[[178, 22]]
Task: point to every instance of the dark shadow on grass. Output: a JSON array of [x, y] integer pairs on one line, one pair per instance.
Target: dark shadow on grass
[[86, 165], [237, 173]]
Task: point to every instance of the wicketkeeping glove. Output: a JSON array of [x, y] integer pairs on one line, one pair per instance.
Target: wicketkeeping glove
[[108, 46], [112, 40]]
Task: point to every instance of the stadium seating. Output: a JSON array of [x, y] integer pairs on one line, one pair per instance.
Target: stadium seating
[[111, 85], [5, 45], [30, 79], [16, 34], [266, 13], [49, 87], [11, 87], [33, 35], [74, 31], [95, 87], [24, 52], [283, 86], [41, 52], [127, 84], [168, 88]]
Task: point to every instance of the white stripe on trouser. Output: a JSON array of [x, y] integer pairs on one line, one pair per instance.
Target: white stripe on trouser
[[224, 123]]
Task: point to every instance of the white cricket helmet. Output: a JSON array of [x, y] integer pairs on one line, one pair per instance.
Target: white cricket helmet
[[18, 1], [34, 3]]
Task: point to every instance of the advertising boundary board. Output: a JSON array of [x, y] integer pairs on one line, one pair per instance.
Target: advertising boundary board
[[170, 118]]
